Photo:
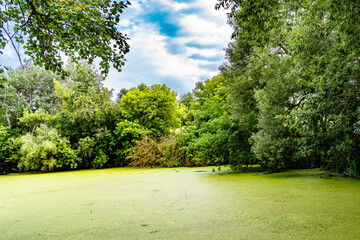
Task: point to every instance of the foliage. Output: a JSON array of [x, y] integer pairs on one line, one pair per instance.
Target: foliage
[[212, 135], [85, 104], [125, 135], [329, 116], [100, 160], [34, 120], [8, 150], [80, 29], [87, 150], [295, 65], [148, 152], [153, 107], [287, 97], [46, 150], [29, 88], [274, 142]]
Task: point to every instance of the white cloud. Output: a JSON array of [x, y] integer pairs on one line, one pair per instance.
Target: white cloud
[[156, 58], [125, 23], [206, 52], [204, 31], [207, 10], [152, 46], [136, 6], [175, 6]]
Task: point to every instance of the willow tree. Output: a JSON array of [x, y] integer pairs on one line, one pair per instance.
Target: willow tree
[[316, 76]]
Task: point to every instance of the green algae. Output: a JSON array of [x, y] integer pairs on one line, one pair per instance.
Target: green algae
[[181, 203]]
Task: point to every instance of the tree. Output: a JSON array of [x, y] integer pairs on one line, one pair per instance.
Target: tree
[[27, 87], [274, 142], [309, 92], [46, 150], [153, 107], [80, 29], [212, 135], [85, 105]]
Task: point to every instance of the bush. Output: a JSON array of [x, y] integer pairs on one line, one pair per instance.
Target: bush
[[126, 134], [9, 147], [150, 153], [46, 150], [100, 160], [87, 150]]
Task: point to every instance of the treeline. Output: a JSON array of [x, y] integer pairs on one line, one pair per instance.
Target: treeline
[[53, 124], [287, 97]]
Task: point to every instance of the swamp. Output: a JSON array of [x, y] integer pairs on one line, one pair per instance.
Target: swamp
[[179, 203]]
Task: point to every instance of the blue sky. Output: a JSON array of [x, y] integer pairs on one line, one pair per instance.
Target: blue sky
[[176, 42]]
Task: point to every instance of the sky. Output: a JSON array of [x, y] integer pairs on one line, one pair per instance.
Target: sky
[[172, 42]]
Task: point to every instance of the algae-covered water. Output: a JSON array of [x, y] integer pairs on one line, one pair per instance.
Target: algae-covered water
[[182, 203]]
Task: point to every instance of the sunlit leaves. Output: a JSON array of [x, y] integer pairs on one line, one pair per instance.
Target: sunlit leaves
[[84, 29], [153, 107], [46, 150]]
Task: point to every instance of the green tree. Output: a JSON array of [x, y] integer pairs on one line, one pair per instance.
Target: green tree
[[28, 87], [316, 43], [80, 29], [329, 116], [274, 142], [85, 105], [35, 119], [212, 135], [153, 107], [8, 148], [46, 150]]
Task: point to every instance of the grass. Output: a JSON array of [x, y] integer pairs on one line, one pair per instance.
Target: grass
[[181, 203]]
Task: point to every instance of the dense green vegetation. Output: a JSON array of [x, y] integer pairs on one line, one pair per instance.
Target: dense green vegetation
[[294, 71], [287, 97], [47, 28], [57, 124]]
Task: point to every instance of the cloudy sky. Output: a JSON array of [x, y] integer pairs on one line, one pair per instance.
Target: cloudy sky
[[176, 42], [173, 42]]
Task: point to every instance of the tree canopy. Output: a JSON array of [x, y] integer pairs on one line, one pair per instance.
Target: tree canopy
[[297, 65], [79, 29]]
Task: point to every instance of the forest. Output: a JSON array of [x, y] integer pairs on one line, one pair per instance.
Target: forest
[[287, 97]]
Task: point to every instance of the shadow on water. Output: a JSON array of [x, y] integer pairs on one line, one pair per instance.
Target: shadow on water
[[283, 174], [309, 173]]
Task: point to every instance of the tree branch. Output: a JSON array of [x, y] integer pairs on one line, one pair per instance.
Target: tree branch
[[13, 44], [283, 48]]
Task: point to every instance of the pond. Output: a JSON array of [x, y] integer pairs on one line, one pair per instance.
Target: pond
[[180, 203]]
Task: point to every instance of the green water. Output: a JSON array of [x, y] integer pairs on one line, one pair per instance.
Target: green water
[[186, 203]]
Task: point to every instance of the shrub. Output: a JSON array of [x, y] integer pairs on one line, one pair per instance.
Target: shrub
[[100, 160], [9, 147], [150, 153], [46, 150], [126, 134]]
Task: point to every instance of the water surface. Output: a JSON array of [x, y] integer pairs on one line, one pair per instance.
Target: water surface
[[181, 203]]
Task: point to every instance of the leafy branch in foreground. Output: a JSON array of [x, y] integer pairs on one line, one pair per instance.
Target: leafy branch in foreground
[[84, 29]]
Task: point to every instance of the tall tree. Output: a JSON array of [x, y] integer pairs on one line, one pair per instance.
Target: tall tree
[[153, 107], [27, 87], [211, 134], [319, 42]]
